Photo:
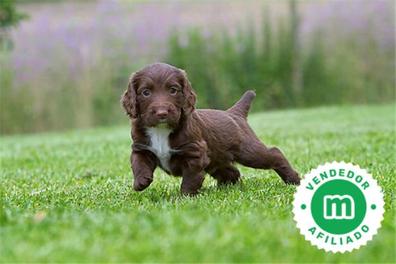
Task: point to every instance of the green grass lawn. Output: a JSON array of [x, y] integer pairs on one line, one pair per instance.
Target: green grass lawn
[[68, 196]]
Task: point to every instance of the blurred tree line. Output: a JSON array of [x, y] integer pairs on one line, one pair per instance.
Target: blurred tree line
[[272, 60]]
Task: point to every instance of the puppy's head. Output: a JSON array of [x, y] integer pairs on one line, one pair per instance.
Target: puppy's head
[[159, 94]]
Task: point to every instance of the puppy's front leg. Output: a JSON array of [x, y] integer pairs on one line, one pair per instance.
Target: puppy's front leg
[[143, 166], [196, 160]]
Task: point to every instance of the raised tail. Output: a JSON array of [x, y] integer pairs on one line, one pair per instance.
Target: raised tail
[[242, 107]]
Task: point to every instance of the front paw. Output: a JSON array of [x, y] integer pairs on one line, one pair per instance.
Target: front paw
[[140, 184], [191, 186], [189, 192]]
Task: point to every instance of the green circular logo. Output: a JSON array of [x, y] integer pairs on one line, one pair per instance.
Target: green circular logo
[[338, 206]]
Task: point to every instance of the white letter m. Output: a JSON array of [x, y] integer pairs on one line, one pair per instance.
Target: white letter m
[[338, 207]]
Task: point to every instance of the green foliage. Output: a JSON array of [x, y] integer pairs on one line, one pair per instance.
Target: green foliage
[[9, 16], [91, 100], [221, 67], [11, 119], [68, 196]]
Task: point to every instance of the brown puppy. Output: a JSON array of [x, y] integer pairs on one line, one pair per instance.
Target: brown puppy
[[168, 132]]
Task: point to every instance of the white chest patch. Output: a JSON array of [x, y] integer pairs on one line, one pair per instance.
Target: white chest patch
[[159, 139]]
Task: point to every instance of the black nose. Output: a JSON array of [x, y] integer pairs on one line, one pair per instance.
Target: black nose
[[162, 113]]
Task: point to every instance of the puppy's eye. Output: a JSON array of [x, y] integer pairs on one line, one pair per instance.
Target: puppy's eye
[[146, 92], [173, 90]]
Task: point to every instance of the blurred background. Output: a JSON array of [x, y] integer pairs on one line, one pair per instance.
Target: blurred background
[[64, 64]]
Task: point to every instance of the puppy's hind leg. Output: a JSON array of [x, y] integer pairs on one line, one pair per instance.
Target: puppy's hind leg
[[226, 175], [255, 154]]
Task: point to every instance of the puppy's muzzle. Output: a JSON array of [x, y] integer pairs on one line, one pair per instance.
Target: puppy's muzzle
[[162, 113]]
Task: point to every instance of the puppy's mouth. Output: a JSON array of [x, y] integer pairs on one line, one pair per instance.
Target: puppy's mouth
[[162, 122], [170, 120]]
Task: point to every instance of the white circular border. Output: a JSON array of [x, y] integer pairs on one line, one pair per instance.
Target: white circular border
[[305, 220]]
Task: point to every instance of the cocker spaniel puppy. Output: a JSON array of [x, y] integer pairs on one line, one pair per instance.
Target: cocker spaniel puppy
[[168, 132]]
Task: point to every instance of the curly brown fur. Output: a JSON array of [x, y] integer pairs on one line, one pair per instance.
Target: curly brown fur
[[168, 132]]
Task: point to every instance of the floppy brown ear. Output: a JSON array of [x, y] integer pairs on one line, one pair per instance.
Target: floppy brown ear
[[189, 95], [128, 99]]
